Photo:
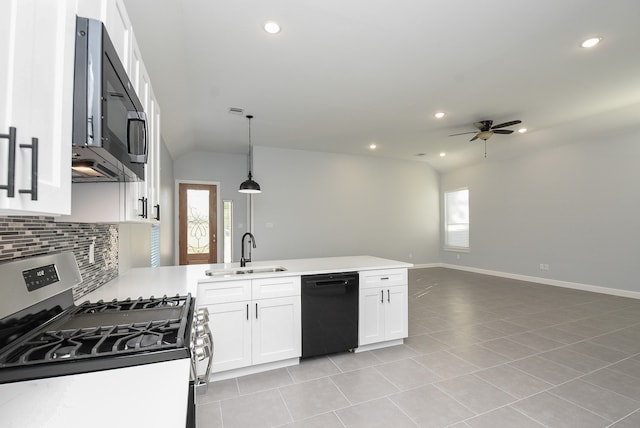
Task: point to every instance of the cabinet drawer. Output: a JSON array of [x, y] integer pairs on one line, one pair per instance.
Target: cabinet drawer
[[266, 288], [223, 292], [383, 277]]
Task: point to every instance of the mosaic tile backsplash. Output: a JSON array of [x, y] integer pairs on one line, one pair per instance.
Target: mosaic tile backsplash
[[28, 236]]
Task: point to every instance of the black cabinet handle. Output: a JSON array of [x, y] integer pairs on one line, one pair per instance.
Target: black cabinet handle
[[247, 312], [146, 208], [381, 296], [384, 278], [34, 169], [157, 207], [256, 311], [11, 167], [388, 296], [144, 201]]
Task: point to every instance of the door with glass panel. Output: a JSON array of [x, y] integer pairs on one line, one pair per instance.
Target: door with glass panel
[[197, 223]]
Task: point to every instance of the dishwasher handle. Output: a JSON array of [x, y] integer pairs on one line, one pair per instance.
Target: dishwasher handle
[[328, 285]]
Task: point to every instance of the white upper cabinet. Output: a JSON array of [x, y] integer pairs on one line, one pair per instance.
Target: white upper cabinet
[[36, 86]]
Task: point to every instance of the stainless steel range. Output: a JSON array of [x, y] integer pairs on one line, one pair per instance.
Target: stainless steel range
[[136, 349]]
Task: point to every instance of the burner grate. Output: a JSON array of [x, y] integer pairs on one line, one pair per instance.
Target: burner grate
[[53, 346], [129, 304]]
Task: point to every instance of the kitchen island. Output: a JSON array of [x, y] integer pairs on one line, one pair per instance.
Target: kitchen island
[[255, 311]]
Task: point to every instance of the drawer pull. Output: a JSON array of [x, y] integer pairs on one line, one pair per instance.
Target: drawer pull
[[384, 278]]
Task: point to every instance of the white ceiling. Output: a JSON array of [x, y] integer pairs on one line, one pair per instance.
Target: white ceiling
[[342, 74]]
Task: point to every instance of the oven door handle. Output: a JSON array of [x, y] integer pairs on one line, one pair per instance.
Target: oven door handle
[[203, 381]]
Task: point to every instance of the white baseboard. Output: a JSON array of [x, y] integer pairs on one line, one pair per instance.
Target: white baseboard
[[426, 265], [547, 281]]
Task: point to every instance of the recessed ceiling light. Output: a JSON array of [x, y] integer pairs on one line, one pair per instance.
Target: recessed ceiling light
[[372, 146], [442, 154], [271, 27], [439, 115], [591, 42], [522, 130]]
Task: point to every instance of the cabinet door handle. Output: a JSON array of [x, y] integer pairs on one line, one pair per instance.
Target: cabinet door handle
[[381, 296], [157, 207], [247, 312], [146, 208], [11, 167], [34, 169], [143, 201], [384, 278], [256, 311], [388, 296]]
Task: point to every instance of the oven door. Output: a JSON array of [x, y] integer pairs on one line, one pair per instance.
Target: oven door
[[147, 395]]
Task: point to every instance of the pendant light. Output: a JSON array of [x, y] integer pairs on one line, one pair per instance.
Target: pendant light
[[250, 186]]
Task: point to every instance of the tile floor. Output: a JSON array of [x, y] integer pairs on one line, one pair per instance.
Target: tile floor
[[482, 352]]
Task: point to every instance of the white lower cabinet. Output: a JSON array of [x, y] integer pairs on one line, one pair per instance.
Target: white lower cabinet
[[383, 308], [249, 331], [275, 330], [231, 344]]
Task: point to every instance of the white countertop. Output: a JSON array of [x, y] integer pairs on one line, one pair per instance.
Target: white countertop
[[172, 280]]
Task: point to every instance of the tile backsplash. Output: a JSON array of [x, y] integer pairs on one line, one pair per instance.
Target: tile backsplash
[[28, 236]]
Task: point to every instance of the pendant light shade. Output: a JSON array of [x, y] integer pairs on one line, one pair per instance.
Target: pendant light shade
[[250, 186]]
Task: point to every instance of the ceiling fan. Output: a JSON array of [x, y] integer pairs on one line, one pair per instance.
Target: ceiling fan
[[486, 129]]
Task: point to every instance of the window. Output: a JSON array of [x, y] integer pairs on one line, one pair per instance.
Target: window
[[227, 225], [155, 245], [456, 214]]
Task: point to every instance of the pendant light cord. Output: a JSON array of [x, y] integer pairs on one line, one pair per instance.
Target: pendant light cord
[[250, 159]]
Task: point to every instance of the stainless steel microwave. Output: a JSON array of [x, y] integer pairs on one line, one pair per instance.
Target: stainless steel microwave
[[109, 124]]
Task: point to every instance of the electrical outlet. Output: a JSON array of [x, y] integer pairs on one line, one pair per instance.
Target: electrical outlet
[[544, 266]]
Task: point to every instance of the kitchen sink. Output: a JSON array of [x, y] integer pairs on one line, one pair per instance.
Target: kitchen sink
[[245, 271]]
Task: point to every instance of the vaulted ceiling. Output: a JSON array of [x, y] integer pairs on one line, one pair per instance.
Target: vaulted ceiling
[[341, 75]]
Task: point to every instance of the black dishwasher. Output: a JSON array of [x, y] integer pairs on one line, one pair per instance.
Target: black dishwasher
[[329, 313]]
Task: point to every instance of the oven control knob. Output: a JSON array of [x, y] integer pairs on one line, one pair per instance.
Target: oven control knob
[[201, 330], [202, 315], [202, 353], [202, 341]]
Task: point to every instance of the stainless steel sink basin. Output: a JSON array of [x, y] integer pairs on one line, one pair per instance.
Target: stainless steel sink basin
[[245, 271]]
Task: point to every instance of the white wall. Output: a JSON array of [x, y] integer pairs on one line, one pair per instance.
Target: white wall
[[134, 246], [229, 171], [320, 204], [575, 207]]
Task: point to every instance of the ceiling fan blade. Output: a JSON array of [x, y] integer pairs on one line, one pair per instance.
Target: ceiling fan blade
[[502, 125], [483, 125], [474, 138], [502, 131], [462, 133]]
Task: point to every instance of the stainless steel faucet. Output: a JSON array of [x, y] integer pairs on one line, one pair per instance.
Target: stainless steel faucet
[[252, 240]]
